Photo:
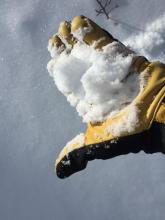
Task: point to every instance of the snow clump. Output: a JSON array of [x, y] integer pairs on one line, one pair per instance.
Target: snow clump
[[98, 83]]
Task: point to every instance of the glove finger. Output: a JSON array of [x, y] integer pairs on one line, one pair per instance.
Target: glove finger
[[86, 30], [55, 46], [71, 163], [64, 32]]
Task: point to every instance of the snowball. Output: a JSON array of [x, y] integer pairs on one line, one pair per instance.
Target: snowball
[[97, 83]]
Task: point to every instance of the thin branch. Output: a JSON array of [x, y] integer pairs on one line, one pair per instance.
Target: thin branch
[[103, 8], [108, 2], [106, 10], [99, 12]]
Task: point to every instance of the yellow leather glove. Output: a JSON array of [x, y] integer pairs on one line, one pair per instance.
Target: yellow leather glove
[[106, 139]]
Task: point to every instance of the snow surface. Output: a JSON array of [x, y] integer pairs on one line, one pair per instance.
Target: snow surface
[[36, 122]]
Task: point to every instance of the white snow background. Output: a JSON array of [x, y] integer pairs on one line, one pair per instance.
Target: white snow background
[[37, 121]]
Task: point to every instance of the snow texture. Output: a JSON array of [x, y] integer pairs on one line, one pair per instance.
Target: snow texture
[[128, 123], [81, 32], [150, 41], [97, 83]]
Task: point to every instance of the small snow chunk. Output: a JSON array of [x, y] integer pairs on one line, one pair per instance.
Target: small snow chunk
[[66, 163], [82, 31]]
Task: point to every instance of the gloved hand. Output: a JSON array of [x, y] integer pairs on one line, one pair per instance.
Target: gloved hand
[[139, 126]]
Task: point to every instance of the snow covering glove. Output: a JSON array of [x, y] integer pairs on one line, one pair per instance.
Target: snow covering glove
[[139, 125]]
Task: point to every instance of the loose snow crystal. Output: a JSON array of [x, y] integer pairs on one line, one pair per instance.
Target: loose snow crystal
[[97, 83]]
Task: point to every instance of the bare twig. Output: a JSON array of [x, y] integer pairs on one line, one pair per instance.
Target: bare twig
[[99, 12], [108, 2], [105, 7]]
